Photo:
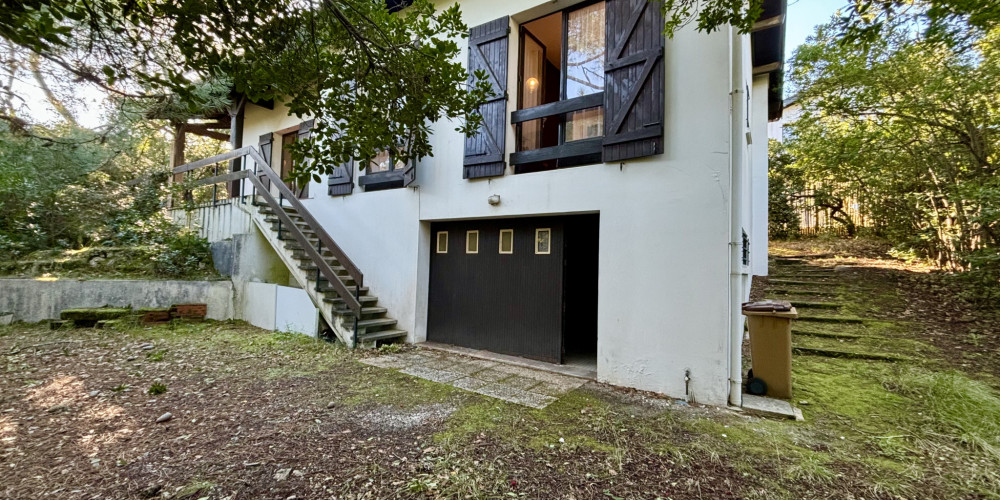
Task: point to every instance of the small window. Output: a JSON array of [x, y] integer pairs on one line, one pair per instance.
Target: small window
[[543, 243], [506, 241], [472, 242], [442, 242]]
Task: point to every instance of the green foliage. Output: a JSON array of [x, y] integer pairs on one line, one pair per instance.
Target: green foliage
[[372, 78], [182, 253], [910, 128], [784, 183], [71, 190], [156, 389]]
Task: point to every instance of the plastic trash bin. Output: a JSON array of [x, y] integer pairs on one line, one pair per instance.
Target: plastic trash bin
[[770, 324]]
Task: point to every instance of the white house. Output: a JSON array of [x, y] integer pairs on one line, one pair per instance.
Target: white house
[[610, 213]]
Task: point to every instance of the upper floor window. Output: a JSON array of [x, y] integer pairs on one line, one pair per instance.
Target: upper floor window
[[589, 87], [560, 121], [383, 172]]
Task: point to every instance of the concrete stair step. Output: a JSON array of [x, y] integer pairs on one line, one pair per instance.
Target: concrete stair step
[[288, 209], [801, 275], [310, 267], [370, 312], [805, 304], [274, 220], [830, 319], [382, 335], [364, 299], [790, 291], [326, 288], [837, 353], [827, 335], [799, 282], [376, 323]]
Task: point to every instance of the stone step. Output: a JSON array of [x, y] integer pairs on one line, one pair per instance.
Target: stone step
[[376, 323], [326, 254], [831, 319], [346, 279], [325, 288], [805, 304], [310, 267], [826, 335], [390, 334], [370, 312], [306, 230], [835, 353], [800, 275], [366, 300], [789, 291], [799, 283], [274, 220], [289, 209]]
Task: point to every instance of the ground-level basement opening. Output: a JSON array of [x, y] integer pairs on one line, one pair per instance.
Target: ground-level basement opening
[[524, 287]]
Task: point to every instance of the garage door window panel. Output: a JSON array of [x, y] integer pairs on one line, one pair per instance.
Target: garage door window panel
[[506, 241], [442, 242]]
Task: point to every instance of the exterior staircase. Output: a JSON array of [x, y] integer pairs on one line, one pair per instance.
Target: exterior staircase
[[372, 327], [313, 258]]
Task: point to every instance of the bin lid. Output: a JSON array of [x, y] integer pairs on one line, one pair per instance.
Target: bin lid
[[769, 307]]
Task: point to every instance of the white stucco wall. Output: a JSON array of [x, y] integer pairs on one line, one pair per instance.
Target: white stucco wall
[[256, 304], [664, 304], [759, 207], [294, 312]]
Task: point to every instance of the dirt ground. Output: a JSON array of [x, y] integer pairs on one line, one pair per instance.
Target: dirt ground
[[256, 414]]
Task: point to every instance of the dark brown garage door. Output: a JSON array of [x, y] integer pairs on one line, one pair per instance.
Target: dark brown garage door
[[501, 284]]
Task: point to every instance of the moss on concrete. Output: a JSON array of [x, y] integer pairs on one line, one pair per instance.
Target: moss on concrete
[[94, 314]]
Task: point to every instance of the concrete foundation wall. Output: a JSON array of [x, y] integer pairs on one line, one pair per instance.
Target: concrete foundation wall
[[33, 300]]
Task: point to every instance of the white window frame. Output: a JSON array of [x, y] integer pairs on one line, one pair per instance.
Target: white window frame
[[468, 239], [549, 250], [438, 242], [500, 245]]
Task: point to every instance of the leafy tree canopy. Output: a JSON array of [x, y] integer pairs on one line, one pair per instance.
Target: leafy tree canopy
[[374, 79], [910, 127]]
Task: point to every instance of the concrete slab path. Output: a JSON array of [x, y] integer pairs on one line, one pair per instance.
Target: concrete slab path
[[514, 384]]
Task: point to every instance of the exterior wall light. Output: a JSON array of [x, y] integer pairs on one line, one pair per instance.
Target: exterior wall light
[[493, 199]]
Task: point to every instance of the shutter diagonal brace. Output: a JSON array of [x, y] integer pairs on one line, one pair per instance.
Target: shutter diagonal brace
[[622, 40], [630, 96], [499, 94], [647, 68]]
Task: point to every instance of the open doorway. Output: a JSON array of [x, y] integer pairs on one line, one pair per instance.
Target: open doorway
[[580, 251]]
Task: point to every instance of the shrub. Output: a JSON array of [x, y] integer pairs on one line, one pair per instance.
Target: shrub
[[182, 254]]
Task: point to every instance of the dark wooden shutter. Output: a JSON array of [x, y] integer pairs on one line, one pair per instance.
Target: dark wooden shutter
[[488, 51], [410, 173], [633, 80], [304, 133], [342, 179], [266, 146]]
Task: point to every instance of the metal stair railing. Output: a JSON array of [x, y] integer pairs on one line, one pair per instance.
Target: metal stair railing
[[263, 170]]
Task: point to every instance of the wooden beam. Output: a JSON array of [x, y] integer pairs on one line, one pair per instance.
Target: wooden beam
[[766, 68], [768, 23], [205, 131], [288, 130]]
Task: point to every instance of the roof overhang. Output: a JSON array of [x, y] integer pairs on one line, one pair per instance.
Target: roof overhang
[[767, 46]]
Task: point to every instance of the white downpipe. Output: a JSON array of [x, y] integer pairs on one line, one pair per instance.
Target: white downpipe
[[735, 243]]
